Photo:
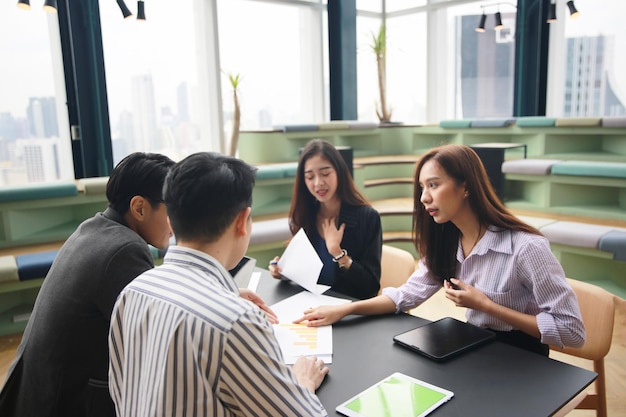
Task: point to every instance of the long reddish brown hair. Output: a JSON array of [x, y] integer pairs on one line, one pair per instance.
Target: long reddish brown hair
[[436, 243], [304, 206]]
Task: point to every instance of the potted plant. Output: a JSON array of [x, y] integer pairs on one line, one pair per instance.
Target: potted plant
[[235, 79], [379, 47]]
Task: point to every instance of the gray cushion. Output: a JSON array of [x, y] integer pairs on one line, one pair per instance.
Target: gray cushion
[[615, 121], [268, 231], [528, 166], [614, 242], [354, 124], [297, 128], [575, 234]]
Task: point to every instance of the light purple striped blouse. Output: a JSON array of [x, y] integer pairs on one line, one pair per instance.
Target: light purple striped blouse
[[516, 270]]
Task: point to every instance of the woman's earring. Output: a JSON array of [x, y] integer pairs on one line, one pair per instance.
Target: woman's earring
[[466, 194]]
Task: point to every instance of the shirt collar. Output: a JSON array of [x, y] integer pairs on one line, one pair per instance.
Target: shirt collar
[[495, 239], [191, 258]]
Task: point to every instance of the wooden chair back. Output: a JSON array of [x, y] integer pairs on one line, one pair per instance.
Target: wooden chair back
[[597, 307]]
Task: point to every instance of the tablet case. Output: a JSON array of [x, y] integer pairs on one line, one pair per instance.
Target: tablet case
[[444, 338], [243, 271]]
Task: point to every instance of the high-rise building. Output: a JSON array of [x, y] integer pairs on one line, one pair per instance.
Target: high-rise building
[[588, 90], [41, 158], [486, 67], [42, 117], [145, 136]]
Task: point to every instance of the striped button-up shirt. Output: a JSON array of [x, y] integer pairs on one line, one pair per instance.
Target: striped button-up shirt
[[183, 343], [516, 270]]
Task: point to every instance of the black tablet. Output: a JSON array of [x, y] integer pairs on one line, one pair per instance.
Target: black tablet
[[444, 338]]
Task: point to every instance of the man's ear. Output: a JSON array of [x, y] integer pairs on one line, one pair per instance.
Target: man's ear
[[137, 207], [241, 222]]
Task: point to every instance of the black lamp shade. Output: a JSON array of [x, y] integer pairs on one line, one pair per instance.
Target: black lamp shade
[[551, 13], [125, 11], [23, 4], [141, 12], [50, 6], [572, 9], [481, 26], [499, 24]]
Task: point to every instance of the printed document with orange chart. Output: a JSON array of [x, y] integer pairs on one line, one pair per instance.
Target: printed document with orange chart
[[297, 340]]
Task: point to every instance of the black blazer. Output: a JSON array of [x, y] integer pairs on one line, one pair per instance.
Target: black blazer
[[362, 239]]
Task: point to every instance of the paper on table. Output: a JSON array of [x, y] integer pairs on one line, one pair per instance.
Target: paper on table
[[301, 264], [293, 307], [297, 340]]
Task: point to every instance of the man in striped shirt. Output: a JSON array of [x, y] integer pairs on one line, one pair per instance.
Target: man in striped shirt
[[183, 339]]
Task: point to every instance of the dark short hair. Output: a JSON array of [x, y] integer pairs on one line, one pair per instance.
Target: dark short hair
[[138, 174], [204, 193]]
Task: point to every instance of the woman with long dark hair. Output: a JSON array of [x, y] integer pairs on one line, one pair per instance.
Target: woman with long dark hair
[[487, 260], [342, 226]]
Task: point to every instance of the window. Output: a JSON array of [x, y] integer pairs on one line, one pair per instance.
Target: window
[[152, 80], [594, 84], [280, 52], [34, 133]]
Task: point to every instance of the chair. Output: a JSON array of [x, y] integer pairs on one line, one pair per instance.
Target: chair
[[396, 266], [597, 307]]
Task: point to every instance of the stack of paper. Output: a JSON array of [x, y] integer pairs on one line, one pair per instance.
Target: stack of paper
[[297, 340]]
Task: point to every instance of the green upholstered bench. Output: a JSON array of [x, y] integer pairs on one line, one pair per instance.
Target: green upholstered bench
[[38, 191], [535, 121], [590, 169], [493, 122], [277, 171], [455, 124]]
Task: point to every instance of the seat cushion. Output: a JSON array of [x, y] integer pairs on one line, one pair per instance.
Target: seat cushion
[[506, 122], [455, 124], [590, 169], [575, 234], [614, 242], [577, 122], [297, 128], [276, 171], [38, 191], [34, 265], [535, 121], [355, 124], [267, 231], [93, 186], [529, 166], [615, 121], [8, 269]]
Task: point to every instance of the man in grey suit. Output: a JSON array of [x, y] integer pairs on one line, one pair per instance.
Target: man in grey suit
[[62, 362]]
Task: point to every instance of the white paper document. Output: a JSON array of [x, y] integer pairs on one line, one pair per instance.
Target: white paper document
[[301, 264], [297, 340]]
